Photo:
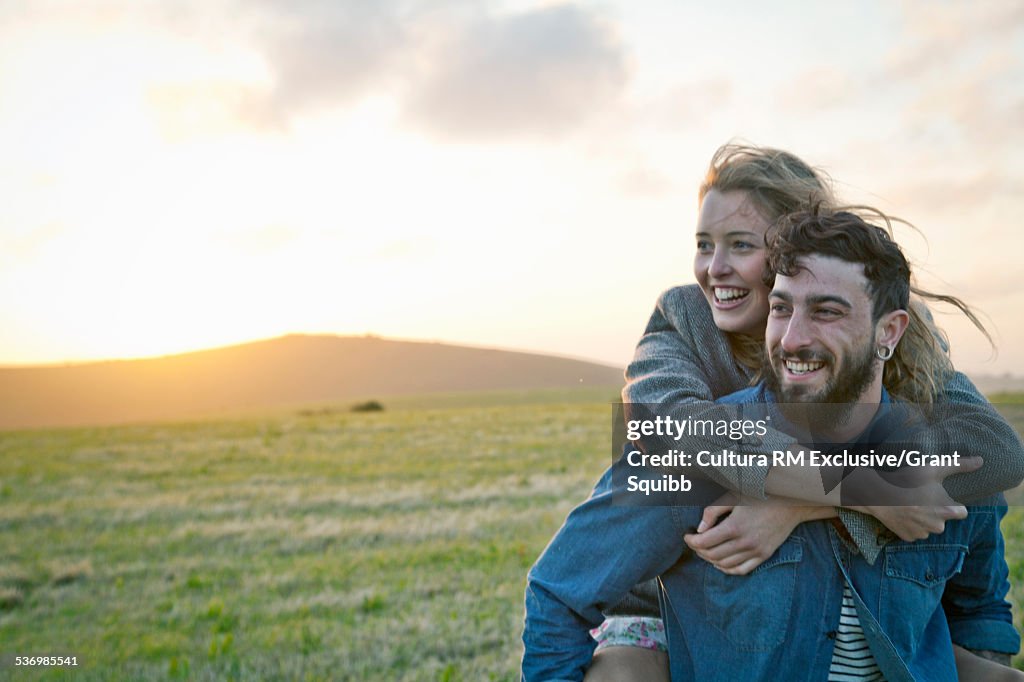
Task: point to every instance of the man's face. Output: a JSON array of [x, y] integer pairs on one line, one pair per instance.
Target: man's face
[[820, 337]]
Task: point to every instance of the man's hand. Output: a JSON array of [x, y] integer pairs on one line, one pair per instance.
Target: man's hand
[[750, 534]]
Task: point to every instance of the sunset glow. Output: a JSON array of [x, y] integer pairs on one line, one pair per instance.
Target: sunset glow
[[182, 175]]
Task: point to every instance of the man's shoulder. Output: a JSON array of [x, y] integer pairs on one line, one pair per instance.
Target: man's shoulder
[[746, 396]]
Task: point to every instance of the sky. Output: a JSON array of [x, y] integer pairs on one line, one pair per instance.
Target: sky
[[517, 174]]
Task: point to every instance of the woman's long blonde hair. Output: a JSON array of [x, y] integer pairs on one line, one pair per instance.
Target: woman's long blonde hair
[[779, 183]]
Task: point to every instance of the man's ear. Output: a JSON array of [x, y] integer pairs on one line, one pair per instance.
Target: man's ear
[[890, 327]]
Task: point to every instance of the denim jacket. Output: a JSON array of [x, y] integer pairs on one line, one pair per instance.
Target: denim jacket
[[781, 619]]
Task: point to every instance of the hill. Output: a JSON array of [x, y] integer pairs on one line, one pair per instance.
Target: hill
[[990, 384], [290, 370]]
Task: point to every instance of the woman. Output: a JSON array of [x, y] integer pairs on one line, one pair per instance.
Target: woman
[[706, 340]]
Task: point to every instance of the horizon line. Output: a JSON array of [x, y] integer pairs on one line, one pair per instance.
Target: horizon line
[[52, 364]]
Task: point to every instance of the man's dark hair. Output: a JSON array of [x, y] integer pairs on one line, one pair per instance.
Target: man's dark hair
[[847, 237]]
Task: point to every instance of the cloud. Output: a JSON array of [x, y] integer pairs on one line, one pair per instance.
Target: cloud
[[938, 34], [326, 54], [951, 92], [454, 68], [945, 192], [542, 72], [981, 105], [962, 63]]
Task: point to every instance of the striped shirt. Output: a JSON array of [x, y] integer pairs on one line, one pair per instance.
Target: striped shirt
[[852, 660]]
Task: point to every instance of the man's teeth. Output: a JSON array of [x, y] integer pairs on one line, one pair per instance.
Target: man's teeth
[[730, 294], [803, 367]]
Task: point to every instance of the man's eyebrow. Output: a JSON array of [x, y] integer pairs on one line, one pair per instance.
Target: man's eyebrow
[[822, 298], [811, 300]]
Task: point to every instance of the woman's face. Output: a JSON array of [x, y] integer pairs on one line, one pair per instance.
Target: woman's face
[[730, 261]]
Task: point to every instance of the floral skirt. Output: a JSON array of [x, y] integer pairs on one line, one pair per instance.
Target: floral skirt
[[638, 631]]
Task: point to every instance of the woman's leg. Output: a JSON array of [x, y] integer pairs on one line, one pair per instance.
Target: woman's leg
[[628, 664], [629, 649]]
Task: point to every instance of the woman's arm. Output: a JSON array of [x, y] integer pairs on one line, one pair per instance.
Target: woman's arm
[[683, 362], [963, 420], [750, 532]]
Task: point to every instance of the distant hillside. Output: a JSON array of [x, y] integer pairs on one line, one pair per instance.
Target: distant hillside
[[290, 370], [990, 384]]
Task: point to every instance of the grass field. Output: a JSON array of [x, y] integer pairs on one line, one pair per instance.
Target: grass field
[[309, 545]]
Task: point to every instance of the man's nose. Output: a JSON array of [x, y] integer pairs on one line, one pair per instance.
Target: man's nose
[[797, 334]]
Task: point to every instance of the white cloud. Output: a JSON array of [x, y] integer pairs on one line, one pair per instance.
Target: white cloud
[[541, 72], [456, 70]]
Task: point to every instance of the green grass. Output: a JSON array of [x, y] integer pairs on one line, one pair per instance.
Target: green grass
[[310, 545], [390, 545]]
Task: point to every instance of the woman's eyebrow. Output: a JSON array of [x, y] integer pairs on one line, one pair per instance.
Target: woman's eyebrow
[[733, 233]]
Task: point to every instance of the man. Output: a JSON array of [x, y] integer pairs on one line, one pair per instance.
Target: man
[[816, 609]]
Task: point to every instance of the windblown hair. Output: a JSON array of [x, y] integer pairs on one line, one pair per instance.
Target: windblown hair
[[779, 184], [847, 237], [920, 366], [776, 182]]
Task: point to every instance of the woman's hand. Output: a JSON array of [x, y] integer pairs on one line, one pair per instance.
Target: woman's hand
[[751, 532], [915, 523], [918, 506]]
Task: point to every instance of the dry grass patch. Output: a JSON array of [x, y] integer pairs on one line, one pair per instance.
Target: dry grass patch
[[14, 578], [71, 573], [10, 598]]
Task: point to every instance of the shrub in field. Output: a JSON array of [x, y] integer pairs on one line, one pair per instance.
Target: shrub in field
[[368, 406], [10, 598]]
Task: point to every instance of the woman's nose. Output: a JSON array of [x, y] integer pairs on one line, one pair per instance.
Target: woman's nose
[[719, 266]]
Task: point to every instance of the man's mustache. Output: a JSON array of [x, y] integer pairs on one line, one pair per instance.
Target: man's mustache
[[803, 355]]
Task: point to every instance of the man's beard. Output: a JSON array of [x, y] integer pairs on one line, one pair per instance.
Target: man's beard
[[835, 402]]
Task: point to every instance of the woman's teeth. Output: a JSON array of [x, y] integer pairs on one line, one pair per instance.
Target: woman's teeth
[[723, 294]]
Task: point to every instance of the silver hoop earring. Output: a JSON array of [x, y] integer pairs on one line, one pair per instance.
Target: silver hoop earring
[[884, 353]]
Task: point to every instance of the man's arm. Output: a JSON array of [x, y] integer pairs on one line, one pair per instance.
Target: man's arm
[[602, 550]]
